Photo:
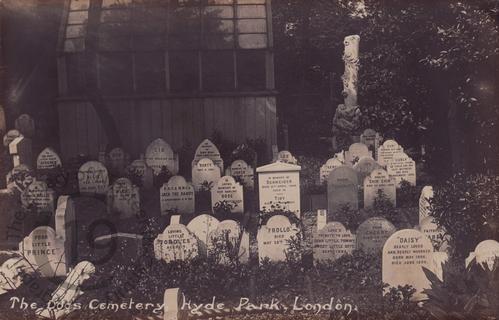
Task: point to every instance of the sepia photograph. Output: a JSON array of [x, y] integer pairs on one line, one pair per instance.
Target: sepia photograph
[[249, 159]]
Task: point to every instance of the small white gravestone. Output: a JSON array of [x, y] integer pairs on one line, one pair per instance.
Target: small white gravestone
[[140, 169], [274, 238], [326, 168], [45, 252], [176, 243], [372, 234], [21, 151], [39, 197], [355, 152], [227, 242], [227, 194], [205, 174], [173, 305], [405, 254], [67, 292], [93, 178], [321, 218], [279, 184], [379, 180], [242, 172], [402, 167], [342, 189], [26, 125], [19, 178], [123, 198], [286, 157], [387, 150], [332, 241], [65, 226], [10, 136], [486, 252], [207, 150], [116, 161], [14, 271], [160, 155], [365, 166], [371, 138], [201, 226], [437, 235], [424, 202], [177, 196], [48, 159]]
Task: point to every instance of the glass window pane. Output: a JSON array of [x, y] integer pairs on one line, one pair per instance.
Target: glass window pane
[[250, 1], [185, 20], [76, 74], [115, 3], [184, 71], [115, 15], [75, 31], [115, 73], [253, 41], [150, 72], [251, 11], [251, 75], [74, 45], [252, 25], [218, 26], [218, 71], [77, 17], [226, 12], [79, 4], [219, 41]]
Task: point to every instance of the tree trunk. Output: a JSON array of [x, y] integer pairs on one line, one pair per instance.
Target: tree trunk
[[94, 95]]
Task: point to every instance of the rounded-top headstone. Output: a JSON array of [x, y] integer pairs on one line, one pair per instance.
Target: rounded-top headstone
[[356, 151], [486, 252], [372, 234], [342, 189], [273, 238], [177, 195], [332, 241], [26, 125], [205, 174], [229, 230], [326, 168], [93, 178], [39, 196], [160, 155], [402, 168], [176, 243], [228, 194], [376, 181], [365, 166], [387, 150], [243, 172], [201, 226], [405, 254], [48, 159], [286, 157]]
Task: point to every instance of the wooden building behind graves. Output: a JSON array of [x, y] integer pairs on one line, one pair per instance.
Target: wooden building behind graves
[[176, 69]]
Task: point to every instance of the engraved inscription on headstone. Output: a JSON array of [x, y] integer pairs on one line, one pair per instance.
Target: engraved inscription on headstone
[[39, 197], [326, 169], [227, 195], [332, 241], [205, 174], [371, 139], [372, 234], [123, 198], [48, 159], [177, 196], [342, 189], [242, 172], [176, 243], [376, 181], [437, 235], [93, 178], [387, 150], [286, 157], [402, 168], [274, 238], [160, 156], [209, 151]]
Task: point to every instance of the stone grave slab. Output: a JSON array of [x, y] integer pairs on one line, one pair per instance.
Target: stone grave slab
[[342, 189], [39, 197], [379, 180], [205, 175], [402, 167], [48, 159], [177, 196], [93, 179], [387, 150], [274, 237], [160, 155], [372, 234], [141, 170], [243, 173], [66, 228], [176, 243], [332, 241], [228, 195], [21, 151]]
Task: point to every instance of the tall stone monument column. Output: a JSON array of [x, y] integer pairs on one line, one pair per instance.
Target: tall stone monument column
[[346, 121]]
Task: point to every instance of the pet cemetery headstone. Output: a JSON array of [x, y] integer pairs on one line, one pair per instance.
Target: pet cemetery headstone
[[355, 152], [405, 254], [332, 241], [207, 150], [26, 125], [176, 243], [159, 156], [242, 172], [48, 159], [286, 157], [93, 179], [279, 185], [21, 151], [372, 234], [20, 177], [486, 253], [424, 202], [139, 168], [376, 181], [274, 238], [402, 168], [45, 252], [387, 150], [229, 242], [326, 168], [205, 174], [437, 235], [39, 197], [177, 196], [342, 189], [116, 161], [65, 226], [227, 196], [10, 136], [365, 166], [14, 270], [123, 198], [201, 226]]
